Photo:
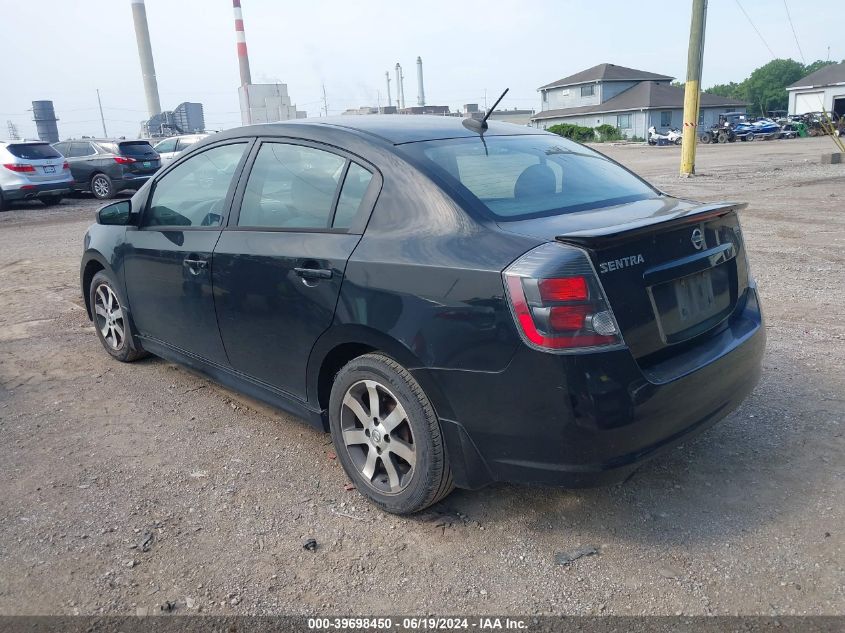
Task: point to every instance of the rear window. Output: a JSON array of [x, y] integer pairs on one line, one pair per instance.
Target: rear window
[[33, 151], [137, 149], [132, 149], [520, 177]]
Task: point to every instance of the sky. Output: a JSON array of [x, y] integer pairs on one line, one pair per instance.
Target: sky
[[64, 50]]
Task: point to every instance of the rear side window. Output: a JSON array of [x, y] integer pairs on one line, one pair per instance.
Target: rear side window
[[33, 151], [519, 177], [194, 193], [81, 149], [136, 149], [292, 187], [351, 196]]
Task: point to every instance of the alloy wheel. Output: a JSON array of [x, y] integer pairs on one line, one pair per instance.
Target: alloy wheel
[[109, 317], [378, 436], [101, 187]]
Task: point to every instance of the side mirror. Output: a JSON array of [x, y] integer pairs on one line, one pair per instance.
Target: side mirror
[[115, 214]]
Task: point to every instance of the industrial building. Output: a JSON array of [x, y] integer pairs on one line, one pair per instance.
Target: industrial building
[[259, 103], [628, 99], [186, 118], [821, 90], [45, 119]]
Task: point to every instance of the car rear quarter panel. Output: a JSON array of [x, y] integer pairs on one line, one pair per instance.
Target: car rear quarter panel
[[426, 276]]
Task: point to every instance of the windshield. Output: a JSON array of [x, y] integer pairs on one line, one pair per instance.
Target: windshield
[[520, 177]]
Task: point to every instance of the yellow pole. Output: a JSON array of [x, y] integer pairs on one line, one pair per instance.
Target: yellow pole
[[692, 87]]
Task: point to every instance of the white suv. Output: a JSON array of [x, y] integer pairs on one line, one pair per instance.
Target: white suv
[[32, 170]]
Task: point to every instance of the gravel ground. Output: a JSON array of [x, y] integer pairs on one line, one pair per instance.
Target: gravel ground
[[126, 486]]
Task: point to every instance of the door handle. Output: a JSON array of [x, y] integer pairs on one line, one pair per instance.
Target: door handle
[[195, 265], [313, 273]]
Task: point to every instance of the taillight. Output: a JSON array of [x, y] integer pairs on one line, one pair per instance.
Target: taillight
[[558, 302], [19, 168], [66, 165], [123, 160]]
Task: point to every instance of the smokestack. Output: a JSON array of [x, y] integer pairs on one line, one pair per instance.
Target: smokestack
[[400, 87], [45, 121], [420, 89], [240, 38], [145, 52], [387, 76]]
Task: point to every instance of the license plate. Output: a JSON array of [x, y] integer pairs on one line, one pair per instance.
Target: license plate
[[695, 297], [147, 163], [49, 169]]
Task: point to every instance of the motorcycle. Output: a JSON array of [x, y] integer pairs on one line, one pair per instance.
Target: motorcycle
[[672, 136]]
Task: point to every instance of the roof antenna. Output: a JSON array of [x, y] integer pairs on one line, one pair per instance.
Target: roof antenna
[[480, 126]]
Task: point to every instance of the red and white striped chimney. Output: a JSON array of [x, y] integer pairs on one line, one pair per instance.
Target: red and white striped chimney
[[240, 37]]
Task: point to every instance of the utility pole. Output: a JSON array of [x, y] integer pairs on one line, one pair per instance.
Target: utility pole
[[692, 87], [387, 76], [102, 118], [325, 102]]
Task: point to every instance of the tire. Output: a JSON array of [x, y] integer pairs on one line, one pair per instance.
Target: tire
[[50, 201], [705, 138], [679, 140], [652, 142], [102, 187], [103, 294], [723, 137], [3, 205], [407, 433], [749, 137]]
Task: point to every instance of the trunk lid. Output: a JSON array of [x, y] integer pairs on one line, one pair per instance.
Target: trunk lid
[[672, 270]]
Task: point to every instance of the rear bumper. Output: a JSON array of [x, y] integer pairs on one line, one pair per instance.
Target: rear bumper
[[592, 419], [33, 191], [132, 181]]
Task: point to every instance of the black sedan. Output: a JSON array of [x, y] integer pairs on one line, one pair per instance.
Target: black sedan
[[456, 304]]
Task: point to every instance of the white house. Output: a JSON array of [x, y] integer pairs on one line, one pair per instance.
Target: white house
[[821, 90]]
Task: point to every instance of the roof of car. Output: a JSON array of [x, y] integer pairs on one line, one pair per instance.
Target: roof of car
[[406, 128]]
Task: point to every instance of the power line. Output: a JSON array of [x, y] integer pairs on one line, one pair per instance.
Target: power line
[[751, 22], [794, 34]]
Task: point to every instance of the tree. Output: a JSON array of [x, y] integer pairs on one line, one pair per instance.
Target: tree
[[765, 89], [731, 90]]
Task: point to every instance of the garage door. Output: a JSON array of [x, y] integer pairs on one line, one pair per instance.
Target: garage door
[[808, 102]]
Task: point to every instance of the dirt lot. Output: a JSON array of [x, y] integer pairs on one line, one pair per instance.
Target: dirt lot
[[98, 458]]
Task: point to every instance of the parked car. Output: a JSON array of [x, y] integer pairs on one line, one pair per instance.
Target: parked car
[[455, 305], [32, 170], [168, 149], [107, 167]]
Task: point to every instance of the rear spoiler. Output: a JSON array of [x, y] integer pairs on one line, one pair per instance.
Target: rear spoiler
[[606, 235]]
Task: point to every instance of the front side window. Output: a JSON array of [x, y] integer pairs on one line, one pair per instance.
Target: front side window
[[588, 91], [184, 143], [166, 146], [291, 187], [623, 121], [194, 193], [519, 177]]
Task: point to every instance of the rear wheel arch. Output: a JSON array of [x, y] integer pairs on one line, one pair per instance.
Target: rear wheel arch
[[340, 345]]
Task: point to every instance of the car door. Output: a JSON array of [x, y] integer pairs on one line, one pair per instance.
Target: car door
[[78, 159], [167, 151], [279, 264], [168, 267]]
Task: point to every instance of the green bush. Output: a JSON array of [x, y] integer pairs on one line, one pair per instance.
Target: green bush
[[608, 132], [574, 132]]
